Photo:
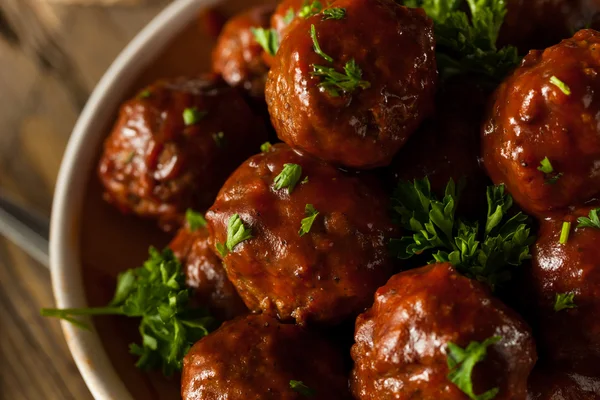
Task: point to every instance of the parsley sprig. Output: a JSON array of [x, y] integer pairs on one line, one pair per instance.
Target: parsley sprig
[[486, 253], [309, 9], [288, 177], [195, 220], [333, 81], [267, 38], [237, 232], [157, 294], [592, 221], [307, 222], [466, 44], [564, 301], [300, 387], [461, 363]]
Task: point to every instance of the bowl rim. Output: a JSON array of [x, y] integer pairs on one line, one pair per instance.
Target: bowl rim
[[86, 348]]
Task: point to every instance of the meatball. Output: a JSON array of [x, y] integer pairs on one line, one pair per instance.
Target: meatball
[[205, 273], [354, 99], [542, 137], [237, 55], [448, 147], [173, 146], [550, 384], [257, 357], [568, 336], [300, 265], [547, 22], [401, 347]]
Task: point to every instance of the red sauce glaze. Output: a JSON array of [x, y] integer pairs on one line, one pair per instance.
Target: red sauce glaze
[[556, 384], [537, 24], [394, 47], [570, 337], [255, 358], [326, 275], [237, 56], [205, 274], [447, 146], [531, 118], [155, 166], [400, 350]]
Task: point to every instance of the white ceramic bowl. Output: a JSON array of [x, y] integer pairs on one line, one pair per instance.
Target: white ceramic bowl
[[77, 165]]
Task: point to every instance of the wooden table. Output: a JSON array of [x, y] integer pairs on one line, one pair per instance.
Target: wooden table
[[51, 56]]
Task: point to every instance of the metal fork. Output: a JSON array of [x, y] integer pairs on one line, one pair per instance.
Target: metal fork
[[26, 228]]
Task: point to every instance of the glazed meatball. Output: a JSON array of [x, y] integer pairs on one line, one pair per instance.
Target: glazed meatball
[[174, 145], [401, 347], [447, 146], [537, 24], [237, 55], [551, 384], [322, 272], [568, 336], [354, 99], [257, 357], [542, 137], [205, 273]]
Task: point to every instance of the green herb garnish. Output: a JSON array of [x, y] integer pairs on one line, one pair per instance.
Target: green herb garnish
[[487, 254], [157, 294], [545, 166], [307, 222], [310, 9], [236, 232], [561, 85], [564, 232], [265, 147], [334, 13], [289, 16], [144, 94], [192, 116], [299, 387], [461, 363], [592, 221], [267, 38], [564, 301], [332, 81], [195, 220], [317, 47], [288, 177], [466, 44]]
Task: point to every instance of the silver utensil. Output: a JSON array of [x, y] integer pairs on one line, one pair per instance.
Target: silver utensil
[[27, 228]]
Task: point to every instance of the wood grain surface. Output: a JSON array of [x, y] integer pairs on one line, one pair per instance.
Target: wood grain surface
[[51, 56]]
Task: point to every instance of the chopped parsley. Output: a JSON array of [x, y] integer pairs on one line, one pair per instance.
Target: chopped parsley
[[192, 116], [466, 44], [334, 13], [236, 232], [157, 294], [487, 254], [564, 301], [305, 180], [288, 177], [592, 221], [265, 147], [267, 38], [561, 85], [546, 167], [564, 232], [309, 9], [289, 16], [300, 387], [144, 94], [219, 139], [461, 363], [317, 47], [195, 220], [333, 82], [307, 222]]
